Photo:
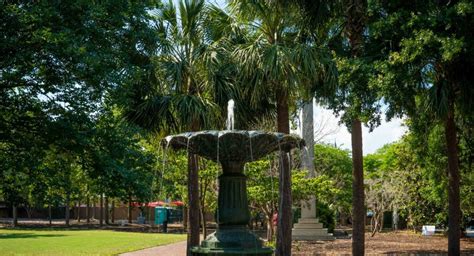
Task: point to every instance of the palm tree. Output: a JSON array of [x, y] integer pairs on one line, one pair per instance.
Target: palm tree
[[276, 61], [439, 85], [187, 87]]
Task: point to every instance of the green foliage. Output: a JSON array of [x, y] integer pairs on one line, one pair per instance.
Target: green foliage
[[188, 82], [58, 61], [263, 185], [277, 54], [336, 165], [326, 215], [428, 48], [410, 176]]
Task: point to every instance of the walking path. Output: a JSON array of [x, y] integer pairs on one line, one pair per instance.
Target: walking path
[[176, 249]]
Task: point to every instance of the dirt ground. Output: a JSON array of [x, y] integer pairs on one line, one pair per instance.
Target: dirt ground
[[389, 243]]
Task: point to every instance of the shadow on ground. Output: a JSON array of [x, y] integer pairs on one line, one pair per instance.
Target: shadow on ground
[[425, 252], [27, 235]]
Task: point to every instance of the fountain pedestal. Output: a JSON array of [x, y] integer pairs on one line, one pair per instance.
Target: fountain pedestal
[[232, 235]]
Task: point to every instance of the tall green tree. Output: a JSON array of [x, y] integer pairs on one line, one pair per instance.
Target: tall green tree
[[345, 30], [429, 69], [59, 58], [354, 29], [275, 61]]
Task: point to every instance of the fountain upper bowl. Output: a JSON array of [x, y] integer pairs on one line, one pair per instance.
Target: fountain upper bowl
[[233, 145]]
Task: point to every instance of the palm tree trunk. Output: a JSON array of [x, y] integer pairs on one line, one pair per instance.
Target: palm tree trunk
[[202, 207], [284, 213], [283, 113], [453, 179], [358, 207], [193, 197]]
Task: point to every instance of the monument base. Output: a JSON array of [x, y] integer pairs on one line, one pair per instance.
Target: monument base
[[310, 229], [236, 240]]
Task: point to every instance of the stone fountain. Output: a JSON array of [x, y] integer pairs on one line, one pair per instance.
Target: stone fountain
[[232, 149]]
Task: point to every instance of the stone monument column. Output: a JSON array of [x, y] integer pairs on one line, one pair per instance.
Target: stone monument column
[[308, 208], [308, 226]]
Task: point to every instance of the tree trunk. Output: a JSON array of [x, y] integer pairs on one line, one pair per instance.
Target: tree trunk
[[88, 208], [78, 211], [129, 214], [94, 203], [193, 197], [395, 218], [381, 222], [15, 215], [284, 212], [343, 218], [148, 214], [453, 179], [101, 210], [49, 215], [203, 222], [106, 210], [68, 199], [202, 199], [112, 213], [185, 218], [373, 225], [354, 28], [270, 227], [283, 114], [358, 207], [28, 211]]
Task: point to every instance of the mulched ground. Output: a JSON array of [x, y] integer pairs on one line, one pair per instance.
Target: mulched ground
[[389, 243]]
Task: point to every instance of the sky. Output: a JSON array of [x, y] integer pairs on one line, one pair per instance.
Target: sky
[[387, 132]]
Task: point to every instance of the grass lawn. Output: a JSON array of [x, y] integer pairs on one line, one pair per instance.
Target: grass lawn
[[78, 242]]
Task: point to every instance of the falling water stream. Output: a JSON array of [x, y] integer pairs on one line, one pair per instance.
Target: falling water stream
[[165, 154], [230, 114], [217, 177]]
